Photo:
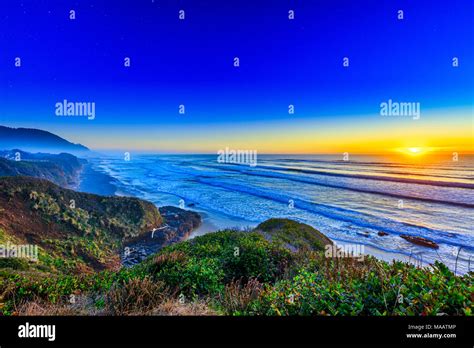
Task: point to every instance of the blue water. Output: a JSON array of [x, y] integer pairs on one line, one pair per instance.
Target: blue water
[[343, 199]]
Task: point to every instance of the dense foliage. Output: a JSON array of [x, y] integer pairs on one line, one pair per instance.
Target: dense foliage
[[74, 231], [242, 273]]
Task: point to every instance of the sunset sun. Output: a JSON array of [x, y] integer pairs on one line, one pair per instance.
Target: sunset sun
[[414, 150]]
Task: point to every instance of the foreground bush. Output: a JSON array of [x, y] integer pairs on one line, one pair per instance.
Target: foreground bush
[[202, 266], [136, 296]]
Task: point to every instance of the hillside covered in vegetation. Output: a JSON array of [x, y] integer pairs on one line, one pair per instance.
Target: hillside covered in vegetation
[[63, 169], [75, 232], [231, 272]]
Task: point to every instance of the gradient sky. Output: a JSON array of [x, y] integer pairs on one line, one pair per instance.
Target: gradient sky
[[282, 61]]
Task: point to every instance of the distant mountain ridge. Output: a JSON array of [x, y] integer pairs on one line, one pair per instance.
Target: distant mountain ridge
[[62, 169], [36, 140]]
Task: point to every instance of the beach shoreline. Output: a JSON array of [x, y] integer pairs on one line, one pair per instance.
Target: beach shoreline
[[101, 182], [96, 182]]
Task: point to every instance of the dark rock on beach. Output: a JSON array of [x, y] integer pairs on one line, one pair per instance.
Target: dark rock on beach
[[183, 222], [177, 226], [420, 241]]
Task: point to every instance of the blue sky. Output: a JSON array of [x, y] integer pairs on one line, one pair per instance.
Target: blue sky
[[190, 62]]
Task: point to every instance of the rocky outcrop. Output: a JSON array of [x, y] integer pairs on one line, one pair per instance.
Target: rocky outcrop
[[293, 235], [177, 226], [421, 241]]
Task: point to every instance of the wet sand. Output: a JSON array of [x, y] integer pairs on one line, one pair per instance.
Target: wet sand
[[92, 181]]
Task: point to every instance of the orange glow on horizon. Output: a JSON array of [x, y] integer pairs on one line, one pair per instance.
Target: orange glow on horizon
[[415, 151]]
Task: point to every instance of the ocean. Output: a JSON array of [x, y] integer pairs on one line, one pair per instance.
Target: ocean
[[349, 201]]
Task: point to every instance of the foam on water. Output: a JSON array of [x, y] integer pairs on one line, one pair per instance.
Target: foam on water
[[350, 202]]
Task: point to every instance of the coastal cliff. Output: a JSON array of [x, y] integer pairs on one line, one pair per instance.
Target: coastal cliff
[[75, 231], [62, 169]]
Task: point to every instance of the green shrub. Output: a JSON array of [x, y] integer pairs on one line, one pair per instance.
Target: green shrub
[[383, 289], [190, 276], [237, 255], [14, 263]]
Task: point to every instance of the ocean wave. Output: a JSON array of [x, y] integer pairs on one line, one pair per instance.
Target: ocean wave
[[460, 167], [314, 181], [246, 194], [455, 184], [356, 218]]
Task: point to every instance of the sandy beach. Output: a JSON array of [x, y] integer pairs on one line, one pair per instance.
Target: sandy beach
[[93, 181]]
